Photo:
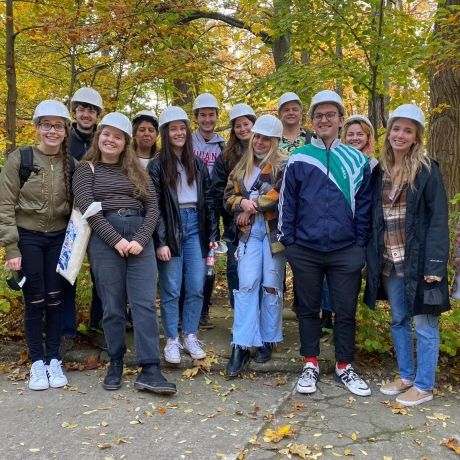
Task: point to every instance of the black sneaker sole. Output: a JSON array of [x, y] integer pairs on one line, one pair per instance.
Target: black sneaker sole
[[157, 389], [111, 387]]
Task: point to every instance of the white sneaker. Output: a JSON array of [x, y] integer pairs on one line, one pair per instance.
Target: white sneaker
[[172, 351], [194, 347], [352, 381], [38, 379], [308, 379], [56, 375]]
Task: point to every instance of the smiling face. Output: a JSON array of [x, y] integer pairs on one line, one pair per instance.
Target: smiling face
[[261, 144], [145, 136], [356, 137], [242, 128], [207, 121], [51, 132], [177, 136], [402, 135], [111, 143], [327, 121], [86, 117], [290, 114]]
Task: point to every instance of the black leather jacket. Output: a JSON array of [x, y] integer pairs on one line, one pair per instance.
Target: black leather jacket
[[168, 231]]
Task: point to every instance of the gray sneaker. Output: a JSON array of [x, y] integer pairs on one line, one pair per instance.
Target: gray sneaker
[[194, 347]]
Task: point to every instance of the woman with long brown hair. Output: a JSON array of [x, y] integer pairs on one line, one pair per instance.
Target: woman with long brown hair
[[121, 249], [186, 229], [35, 206], [408, 251], [242, 118]]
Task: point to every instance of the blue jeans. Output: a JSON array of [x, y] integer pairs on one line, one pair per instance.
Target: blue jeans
[[258, 313], [426, 332], [42, 292], [191, 265], [120, 279]]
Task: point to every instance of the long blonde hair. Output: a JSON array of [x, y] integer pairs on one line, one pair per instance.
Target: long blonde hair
[[130, 164], [415, 159], [274, 158]]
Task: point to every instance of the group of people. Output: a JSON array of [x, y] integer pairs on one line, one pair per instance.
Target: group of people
[[319, 200]]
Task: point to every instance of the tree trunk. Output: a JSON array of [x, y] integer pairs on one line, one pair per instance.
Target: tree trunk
[[12, 95], [444, 134], [282, 34]]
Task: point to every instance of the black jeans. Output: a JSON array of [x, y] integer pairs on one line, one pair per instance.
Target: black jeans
[[342, 269], [42, 292]]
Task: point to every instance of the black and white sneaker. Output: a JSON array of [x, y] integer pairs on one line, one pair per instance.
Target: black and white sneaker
[[352, 381], [308, 379]]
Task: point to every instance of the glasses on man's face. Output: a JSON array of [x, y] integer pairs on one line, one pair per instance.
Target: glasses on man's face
[[318, 116], [58, 127]]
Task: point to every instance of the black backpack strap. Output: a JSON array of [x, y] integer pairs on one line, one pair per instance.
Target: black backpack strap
[[26, 167]]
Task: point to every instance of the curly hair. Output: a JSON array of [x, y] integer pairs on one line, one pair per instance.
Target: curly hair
[[129, 163], [415, 159]]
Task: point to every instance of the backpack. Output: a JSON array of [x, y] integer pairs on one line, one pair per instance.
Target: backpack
[[27, 167]]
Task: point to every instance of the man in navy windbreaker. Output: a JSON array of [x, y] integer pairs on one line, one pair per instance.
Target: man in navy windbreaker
[[324, 223]]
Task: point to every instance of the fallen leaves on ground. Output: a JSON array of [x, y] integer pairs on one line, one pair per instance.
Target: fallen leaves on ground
[[396, 408], [201, 365], [278, 434], [452, 444]]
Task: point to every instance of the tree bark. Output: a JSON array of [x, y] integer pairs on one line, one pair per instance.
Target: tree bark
[[444, 134], [12, 94]]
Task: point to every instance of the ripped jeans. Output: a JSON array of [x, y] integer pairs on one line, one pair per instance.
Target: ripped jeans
[[42, 292], [258, 312]]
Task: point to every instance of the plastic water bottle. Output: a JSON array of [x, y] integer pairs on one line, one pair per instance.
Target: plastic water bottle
[[211, 262]]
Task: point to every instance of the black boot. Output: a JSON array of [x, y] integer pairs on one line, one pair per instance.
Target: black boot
[[238, 361], [112, 379], [152, 379], [264, 353]]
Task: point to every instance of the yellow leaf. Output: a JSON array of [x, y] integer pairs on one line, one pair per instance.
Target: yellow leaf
[[189, 373], [34, 449], [354, 436], [104, 423], [301, 450], [348, 452], [106, 445], [277, 435], [69, 425]]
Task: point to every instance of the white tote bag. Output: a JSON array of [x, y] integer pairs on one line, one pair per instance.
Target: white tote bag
[[76, 241]]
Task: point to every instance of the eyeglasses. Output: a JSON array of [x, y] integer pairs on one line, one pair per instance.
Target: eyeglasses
[[318, 116], [58, 127]]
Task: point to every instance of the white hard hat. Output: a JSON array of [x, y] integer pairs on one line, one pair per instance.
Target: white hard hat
[[205, 101], [173, 113], [88, 96], [147, 114], [410, 111], [51, 108], [118, 120], [241, 110], [355, 118], [268, 125], [324, 97], [288, 97]]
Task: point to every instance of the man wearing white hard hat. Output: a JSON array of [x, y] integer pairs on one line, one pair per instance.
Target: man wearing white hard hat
[[324, 223], [290, 114], [207, 145], [86, 107]]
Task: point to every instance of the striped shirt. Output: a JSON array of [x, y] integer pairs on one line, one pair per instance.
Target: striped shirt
[[394, 203], [114, 190]]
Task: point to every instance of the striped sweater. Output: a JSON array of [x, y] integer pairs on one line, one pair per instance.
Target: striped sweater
[[114, 190]]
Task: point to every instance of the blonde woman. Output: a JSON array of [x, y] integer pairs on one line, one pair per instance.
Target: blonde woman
[[408, 252], [252, 197]]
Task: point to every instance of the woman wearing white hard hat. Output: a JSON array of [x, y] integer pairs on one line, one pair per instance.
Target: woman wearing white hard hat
[[408, 252], [186, 229], [145, 133], [121, 249], [358, 132], [252, 197], [35, 204], [242, 118]]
